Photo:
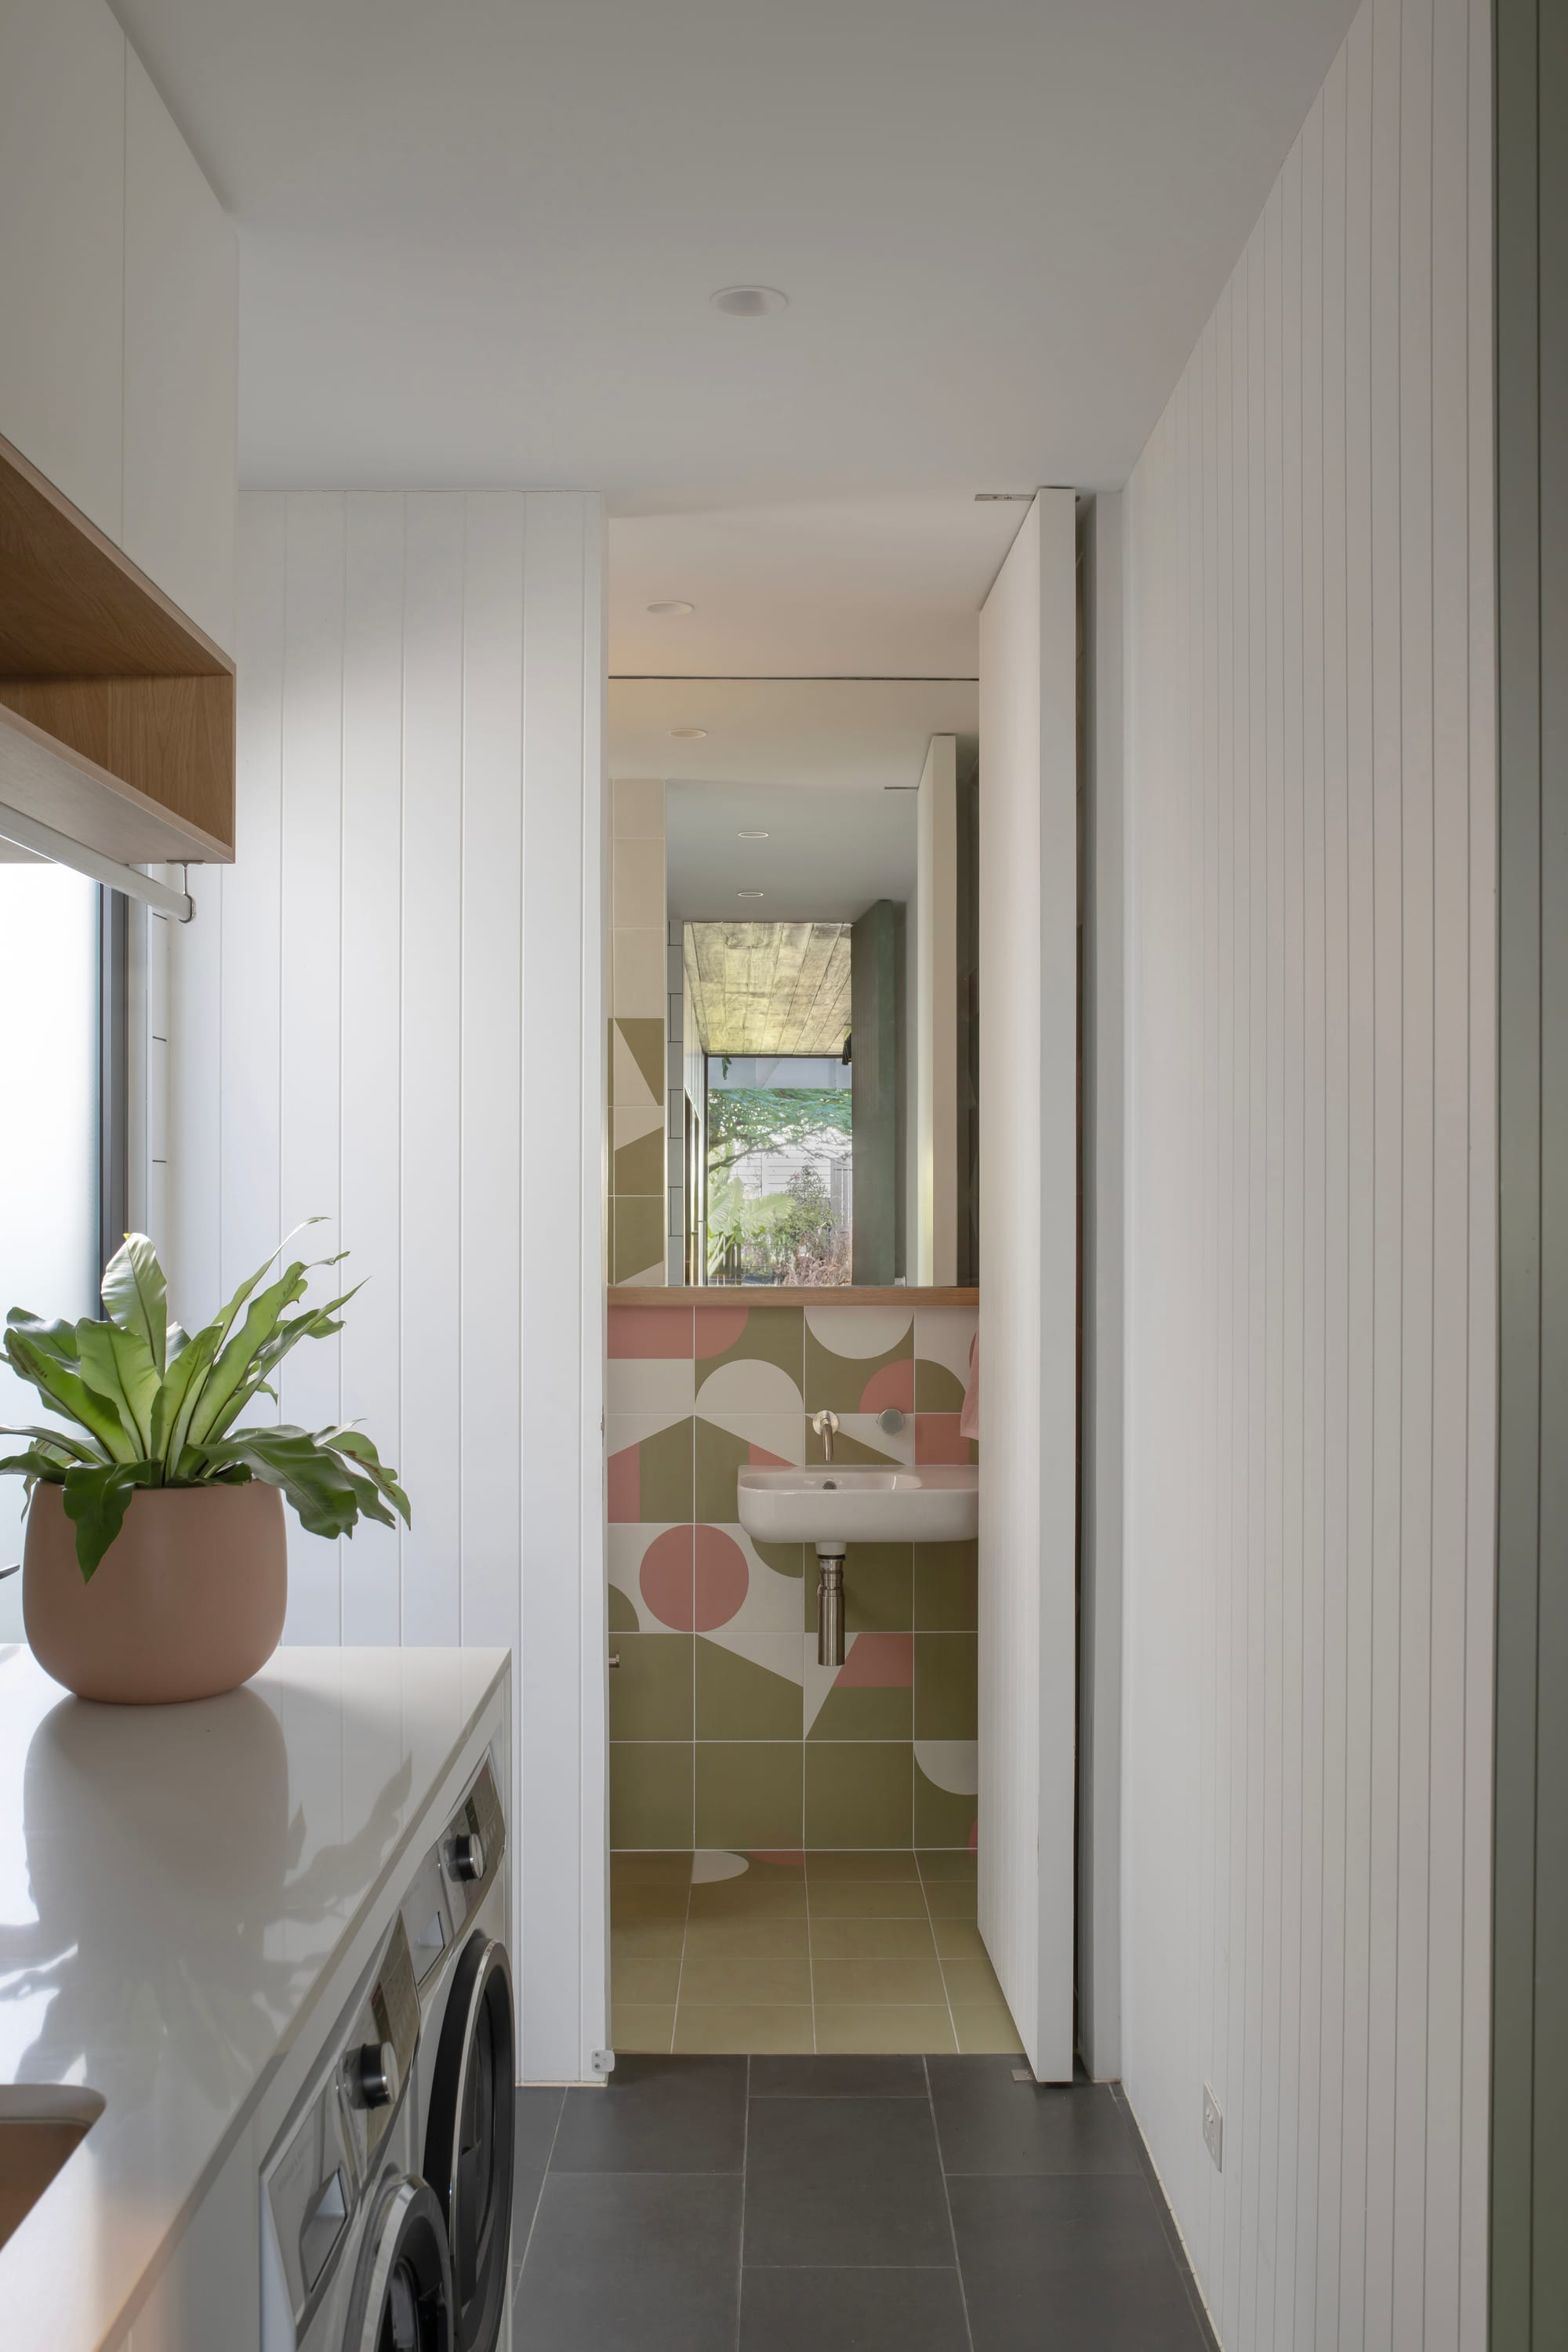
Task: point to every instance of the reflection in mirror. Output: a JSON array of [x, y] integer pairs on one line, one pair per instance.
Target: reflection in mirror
[[793, 1046]]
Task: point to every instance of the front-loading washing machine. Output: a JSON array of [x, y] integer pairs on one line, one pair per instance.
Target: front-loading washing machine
[[353, 2242], [455, 1913]]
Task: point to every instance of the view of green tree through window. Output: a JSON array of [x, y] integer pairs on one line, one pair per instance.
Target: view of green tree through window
[[779, 1168]]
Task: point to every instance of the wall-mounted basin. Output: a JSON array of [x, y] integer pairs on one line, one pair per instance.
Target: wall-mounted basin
[[826, 1505]]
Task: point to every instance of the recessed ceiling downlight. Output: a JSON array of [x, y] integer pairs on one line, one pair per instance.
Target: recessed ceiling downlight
[[688, 734], [751, 894], [750, 301], [751, 836], [673, 604]]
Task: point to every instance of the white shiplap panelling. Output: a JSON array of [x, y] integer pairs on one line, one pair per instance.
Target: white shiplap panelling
[[1311, 1273], [393, 995]]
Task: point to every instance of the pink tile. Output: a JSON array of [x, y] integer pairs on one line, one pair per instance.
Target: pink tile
[[893, 1385], [877, 1662], [938, 1439], [665, 1581], [718, 1327], [650, 1331], [723, 1576]]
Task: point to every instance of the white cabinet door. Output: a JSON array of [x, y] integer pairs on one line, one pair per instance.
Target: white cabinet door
[[62, 171], [181, 367]]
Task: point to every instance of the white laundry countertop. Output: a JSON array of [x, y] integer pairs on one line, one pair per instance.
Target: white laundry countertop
[[173, 1883]]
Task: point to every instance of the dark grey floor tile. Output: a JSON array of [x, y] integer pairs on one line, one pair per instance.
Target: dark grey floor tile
[[656, 2115], [650, 2259], [988, 2123], [852, 2310], [1078, 2263], [855, 2181], [535, 2116], [838, 2078]]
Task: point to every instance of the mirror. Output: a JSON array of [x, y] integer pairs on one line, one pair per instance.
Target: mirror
[[793, 995]]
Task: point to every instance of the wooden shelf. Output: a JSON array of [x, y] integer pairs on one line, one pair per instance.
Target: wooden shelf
[[116, 711], [760, 1293]]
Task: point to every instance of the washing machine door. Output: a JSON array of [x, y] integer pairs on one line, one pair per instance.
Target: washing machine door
[[402, 2299], [468, 2139]]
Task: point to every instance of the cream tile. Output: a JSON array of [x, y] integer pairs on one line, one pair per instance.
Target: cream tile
[[635, 2027], [637, 887], [879, 1981], [747, 1940], [638, 804], [706, 1981], [749, 2032], [863, 2029], [662, 1386], [871, 1940], [899, 1898], [636, 983]]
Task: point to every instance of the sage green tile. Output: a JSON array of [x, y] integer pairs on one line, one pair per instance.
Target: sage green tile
[[872, 1939], [720, 1458], [646, 1939], [840, 1381], [644, 1040], [708, 1978], [969, 1977], [936, 1389], [639, 1166], [651, 1902], [623, 1612], [650, 1690], [749, 1794], [748, 1938], [950, 1898], [862, 2029], [641, 2026], [637, 1236], [770, 1335], [864, 1713], [741, 1698], [947, 1686], [650, 1792], [877, 1898], [663, 1475], [940, 1816], [941, 1862], [858, 1793], [877, 1980], [874, 1863], [986, 2027], [652, 1982], [958, 1940], [947, 1588], [750, 2031], [879, 1588], [754, 1897], [650, 1870], [788, 1559]]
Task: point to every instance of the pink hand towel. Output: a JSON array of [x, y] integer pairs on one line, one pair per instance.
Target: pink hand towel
[[969, 1419]]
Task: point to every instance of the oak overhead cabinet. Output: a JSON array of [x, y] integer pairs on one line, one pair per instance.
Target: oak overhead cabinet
[[118, 387]]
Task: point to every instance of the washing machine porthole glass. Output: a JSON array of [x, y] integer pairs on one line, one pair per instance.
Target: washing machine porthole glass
[[468, 2145]]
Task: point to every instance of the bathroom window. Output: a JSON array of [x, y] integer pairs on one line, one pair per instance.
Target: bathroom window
[[53, 1207], [779, 1168]]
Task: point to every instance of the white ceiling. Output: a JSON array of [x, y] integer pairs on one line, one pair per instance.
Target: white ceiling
[[829, 854], [478, 241], [840, 734]]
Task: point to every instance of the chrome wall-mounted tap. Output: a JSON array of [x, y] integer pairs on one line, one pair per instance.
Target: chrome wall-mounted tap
[[826, 1425]]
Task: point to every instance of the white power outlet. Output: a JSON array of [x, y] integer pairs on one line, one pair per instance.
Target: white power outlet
[[1214, 2128]]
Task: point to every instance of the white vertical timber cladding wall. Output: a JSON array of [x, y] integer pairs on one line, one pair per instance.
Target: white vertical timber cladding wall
[[390, 1011], [1311, 1270], [1028, 1175]]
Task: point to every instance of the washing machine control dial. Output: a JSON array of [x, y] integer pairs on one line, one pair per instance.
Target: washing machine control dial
[[468, 1856], [372, 2075]]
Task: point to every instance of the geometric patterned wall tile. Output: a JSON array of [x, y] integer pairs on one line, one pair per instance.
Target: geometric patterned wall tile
[[879, 1588], [651, 1690], [637, 1236], [651, 1794], [739, 1593], [947, 1587], [743, 1333], [938, 1439], [763, 1442], [752, 1696], [667, 1552], [859, 1795], [637, 1153], [636, 1063], [945, 1816], [868, 1696], [946, 1669], [749, 1791], [649, 1477], [942, 1338], [746, 1387], [859, 1360]]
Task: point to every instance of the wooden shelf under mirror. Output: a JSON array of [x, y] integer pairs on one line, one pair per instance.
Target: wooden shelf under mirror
[[761, 1293], [116, 711]]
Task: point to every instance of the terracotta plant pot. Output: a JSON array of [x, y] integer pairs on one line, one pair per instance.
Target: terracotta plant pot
[[187, 1602]]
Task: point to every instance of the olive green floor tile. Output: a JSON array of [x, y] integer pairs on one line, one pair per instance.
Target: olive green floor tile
[[750, 1897], [877, 1980], [749, 1698], [656, 1902], [873, 1862], [864, 2029], [754, 2031], [949, 1899], [635, 2027], [644, 1983], [948, 1863], [651, 1691], [947, 1686], [969, 1977], [742, 1939], [650, 1792], [958, 1940], [986, 2028], [650, 1870], [745, 1984], [748, 1792], [872, 1939], [858, 1793], [947, 1588], [646, 1939], [876, 1898]]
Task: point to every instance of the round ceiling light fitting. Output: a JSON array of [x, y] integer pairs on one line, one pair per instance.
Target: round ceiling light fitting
[[687, 734], [751, 836], [672, 604], [750, 301], [751, 894]]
